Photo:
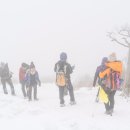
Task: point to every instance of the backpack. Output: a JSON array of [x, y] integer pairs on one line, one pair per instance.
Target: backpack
[[110, 78], [115, 74], [61, 76], [115, 80]]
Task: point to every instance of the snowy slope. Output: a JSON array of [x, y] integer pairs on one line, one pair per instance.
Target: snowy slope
[[17, 113]]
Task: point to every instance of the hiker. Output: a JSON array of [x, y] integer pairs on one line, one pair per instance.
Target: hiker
[[22, 73], [111, 80], [63, 71], [97, 78], [6, 76], [32, 80]]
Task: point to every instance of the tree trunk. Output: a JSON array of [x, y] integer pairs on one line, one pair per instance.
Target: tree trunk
[[127, 84]]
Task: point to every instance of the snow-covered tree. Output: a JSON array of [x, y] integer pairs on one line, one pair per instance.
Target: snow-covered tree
[[122, 37]]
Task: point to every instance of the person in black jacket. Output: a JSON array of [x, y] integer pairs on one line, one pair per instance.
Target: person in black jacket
[[6, 76], [62, 65]]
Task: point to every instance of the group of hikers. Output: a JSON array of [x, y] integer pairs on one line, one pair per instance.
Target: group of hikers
[[108, 75], [29, 79]]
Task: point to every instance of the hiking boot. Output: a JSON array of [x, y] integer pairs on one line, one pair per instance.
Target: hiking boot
[[5, 92], [29, 100], [36, 99], [25, 97], [62, 105], [72, 103], [97, 99], [111, 111], [108, 112], [13, 93]]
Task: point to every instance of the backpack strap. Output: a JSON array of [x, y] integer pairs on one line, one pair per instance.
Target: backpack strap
[[59, 69]]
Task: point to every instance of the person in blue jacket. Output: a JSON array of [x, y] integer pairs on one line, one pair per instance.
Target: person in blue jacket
[[32, 80]]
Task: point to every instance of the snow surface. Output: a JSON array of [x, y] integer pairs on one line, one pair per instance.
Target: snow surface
[[17, 113]]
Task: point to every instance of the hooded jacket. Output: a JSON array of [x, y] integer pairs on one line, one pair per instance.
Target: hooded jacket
[[98, 70], [31, 82], [60, 66]]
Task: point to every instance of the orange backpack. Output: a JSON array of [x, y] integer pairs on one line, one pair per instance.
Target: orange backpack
[[115, 73], [61, 76], [60, 79], [115, 66]]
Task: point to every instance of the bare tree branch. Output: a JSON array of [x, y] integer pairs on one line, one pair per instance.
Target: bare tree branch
[[126, 41], [121, 32], [114, 39]]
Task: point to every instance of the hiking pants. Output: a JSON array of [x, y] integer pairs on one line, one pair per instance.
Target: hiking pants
[[98, 92], [71, 92], [23, 87], [30, 92], [111, 103], [9, 81]]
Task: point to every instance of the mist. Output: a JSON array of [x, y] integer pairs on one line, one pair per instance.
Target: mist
[[39, 31]]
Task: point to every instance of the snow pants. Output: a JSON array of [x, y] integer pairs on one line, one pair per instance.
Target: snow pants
[[71, 92], [34, 87], [23, 87], [111, 103], [9, 81]]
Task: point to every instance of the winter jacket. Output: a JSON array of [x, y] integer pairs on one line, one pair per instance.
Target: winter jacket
[[22, 73], [98, 70], [5, 73], [32, 80], [59, 66]]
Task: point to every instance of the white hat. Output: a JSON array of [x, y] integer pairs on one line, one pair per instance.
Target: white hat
[[112, 57]]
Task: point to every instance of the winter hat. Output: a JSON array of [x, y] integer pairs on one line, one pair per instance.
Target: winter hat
[[63, 56], [112, 57], [104, 60], [32, 65]]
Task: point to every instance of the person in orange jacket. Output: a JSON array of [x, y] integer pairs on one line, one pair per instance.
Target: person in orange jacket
[[110, 80]]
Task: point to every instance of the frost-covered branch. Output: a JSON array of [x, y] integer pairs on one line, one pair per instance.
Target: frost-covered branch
[[117, 41]]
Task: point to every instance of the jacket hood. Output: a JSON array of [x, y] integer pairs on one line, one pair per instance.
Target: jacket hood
[[104, 60]]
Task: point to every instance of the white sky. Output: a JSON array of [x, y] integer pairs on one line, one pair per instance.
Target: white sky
[[37, 30]]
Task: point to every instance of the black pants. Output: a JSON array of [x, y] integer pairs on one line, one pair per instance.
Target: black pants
[[30, 92], [23, 87], [71, 92], [98, 92], [9, 81], [111, 103]]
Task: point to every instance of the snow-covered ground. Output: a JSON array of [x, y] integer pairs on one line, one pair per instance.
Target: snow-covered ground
[[17, 113]]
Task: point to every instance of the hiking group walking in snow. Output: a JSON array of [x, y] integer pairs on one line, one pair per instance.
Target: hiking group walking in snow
[[108, 76]]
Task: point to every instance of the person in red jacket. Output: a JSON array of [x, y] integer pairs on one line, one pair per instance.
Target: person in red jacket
[[22, 74]]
